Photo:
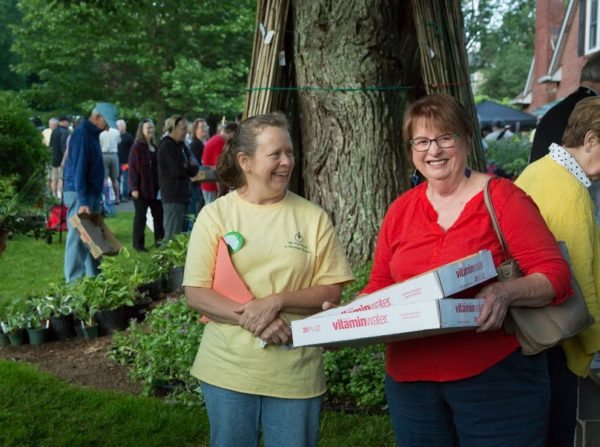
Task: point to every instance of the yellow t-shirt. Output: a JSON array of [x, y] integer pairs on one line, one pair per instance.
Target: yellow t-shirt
[[567, 208], [289, 245]]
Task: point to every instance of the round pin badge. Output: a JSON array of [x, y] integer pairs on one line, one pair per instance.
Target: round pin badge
[[234, 240]]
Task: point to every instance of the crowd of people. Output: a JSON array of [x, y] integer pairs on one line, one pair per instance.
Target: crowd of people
[[468, 388]]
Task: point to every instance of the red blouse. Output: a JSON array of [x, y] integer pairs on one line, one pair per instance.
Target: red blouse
[[411, 242]]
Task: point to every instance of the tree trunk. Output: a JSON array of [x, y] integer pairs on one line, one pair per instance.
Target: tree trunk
[[354, 62]]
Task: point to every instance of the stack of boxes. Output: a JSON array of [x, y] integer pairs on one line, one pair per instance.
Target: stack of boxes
[[415, 308]]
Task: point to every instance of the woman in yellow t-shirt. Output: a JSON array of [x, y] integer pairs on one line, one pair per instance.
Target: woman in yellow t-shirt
[[558, 183], [288, 255]]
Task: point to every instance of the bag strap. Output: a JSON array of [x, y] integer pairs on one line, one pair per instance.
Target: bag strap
[[490, 207]]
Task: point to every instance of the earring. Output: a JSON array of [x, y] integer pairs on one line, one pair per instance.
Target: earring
[[468, 172], [414, 180]]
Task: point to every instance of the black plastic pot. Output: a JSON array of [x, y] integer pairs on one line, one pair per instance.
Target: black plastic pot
[[90, 332], [38, 335], [63, 326], [175, 281], [113, 320], [18, 337], [152, 290]]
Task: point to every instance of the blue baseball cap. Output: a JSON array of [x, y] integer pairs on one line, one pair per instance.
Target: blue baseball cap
[[108, 112]]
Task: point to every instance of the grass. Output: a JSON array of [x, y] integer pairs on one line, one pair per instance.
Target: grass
[[29, 265], [39, 409]]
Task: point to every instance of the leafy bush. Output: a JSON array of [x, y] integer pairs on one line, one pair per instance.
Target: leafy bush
[[171, 254], [21, 148], [162, 349], [508, 158]]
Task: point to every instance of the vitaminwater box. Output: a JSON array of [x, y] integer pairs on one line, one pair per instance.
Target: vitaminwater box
[[404, 321], [442, 282]]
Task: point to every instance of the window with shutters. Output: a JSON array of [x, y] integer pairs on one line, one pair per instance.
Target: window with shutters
[[592, 37]]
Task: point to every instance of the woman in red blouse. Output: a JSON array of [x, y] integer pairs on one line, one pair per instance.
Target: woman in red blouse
[[472, 388]]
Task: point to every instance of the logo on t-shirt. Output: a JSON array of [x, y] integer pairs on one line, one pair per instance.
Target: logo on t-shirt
[[297, 242]]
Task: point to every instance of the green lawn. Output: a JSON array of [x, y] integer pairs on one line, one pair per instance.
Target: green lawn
[[29, 264], [40, 410]]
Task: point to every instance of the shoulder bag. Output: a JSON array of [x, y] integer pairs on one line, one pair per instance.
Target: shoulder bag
[[539, 328]]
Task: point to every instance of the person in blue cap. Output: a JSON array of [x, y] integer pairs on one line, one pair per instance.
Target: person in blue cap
[[83, 181]]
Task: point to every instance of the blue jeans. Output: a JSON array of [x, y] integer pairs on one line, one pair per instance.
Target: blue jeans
[[236, 418], [505, 406], [209, 196], [125, 184], [78, 260]]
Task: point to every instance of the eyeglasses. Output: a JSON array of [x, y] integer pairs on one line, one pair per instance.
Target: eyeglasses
[[423, 144]]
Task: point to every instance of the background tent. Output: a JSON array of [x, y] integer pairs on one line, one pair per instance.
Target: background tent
[[490, 111]]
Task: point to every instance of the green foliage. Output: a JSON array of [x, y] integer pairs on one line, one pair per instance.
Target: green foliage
[[9, 14], [87, 295], [17, 215], [21, 149], [57, 299], [150, 57], [509, 157], [162, 349], [171, 254], [499, 38]]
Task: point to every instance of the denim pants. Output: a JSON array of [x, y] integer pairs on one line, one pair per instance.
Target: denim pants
[[209, 196], [236, 418], [504, 406], [173, 219], [78, 260]]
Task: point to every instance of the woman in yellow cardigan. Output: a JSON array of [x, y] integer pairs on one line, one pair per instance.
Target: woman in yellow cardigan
[[558, 183]]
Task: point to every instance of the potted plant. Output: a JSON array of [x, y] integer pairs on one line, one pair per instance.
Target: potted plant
[[14, 324], [17, 213], [86, 295], [59, 300], [39, 320], [171, 259]]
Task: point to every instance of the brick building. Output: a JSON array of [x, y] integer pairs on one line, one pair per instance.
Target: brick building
[[565, 36]]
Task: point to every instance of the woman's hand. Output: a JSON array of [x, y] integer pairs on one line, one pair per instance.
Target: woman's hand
[[497, 299], [257, 314], [277, 333], [135, 194]]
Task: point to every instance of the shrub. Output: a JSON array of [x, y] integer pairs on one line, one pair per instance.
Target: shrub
[[508, 158], [21, 149], [162, 349]]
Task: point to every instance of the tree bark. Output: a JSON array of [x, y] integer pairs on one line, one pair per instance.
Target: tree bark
[[354, 162]]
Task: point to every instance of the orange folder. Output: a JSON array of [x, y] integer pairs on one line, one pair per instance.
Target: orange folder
[[227, 281]]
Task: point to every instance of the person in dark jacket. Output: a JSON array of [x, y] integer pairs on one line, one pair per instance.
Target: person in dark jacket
[[58, 145], [553, 124], [143, 184], [84, 178], [123, 151], [175, 167]]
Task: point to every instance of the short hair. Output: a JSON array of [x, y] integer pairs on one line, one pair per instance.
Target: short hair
[[440, 111], [52, 121], [585, 117], [591, 70], [139, 134], [228, 169], [119, 122]]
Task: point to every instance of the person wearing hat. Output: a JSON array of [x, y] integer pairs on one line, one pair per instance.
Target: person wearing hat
[[83, 181], [58, 144]]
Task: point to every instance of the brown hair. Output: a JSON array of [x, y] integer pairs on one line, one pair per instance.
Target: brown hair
[[585, 117], [197, 122], [139, 134], [440, 111], [244, 141]]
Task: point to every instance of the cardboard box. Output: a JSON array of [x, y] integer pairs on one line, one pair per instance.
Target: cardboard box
[[435, 284], [401, 322], [95, 234], [204, 175]]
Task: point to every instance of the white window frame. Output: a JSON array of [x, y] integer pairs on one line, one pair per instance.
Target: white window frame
[[592, 43]]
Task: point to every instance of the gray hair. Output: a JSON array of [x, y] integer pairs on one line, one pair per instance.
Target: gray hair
[[591, 69]]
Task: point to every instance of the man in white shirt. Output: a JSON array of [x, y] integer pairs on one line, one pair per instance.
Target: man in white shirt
[[109, 142]]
